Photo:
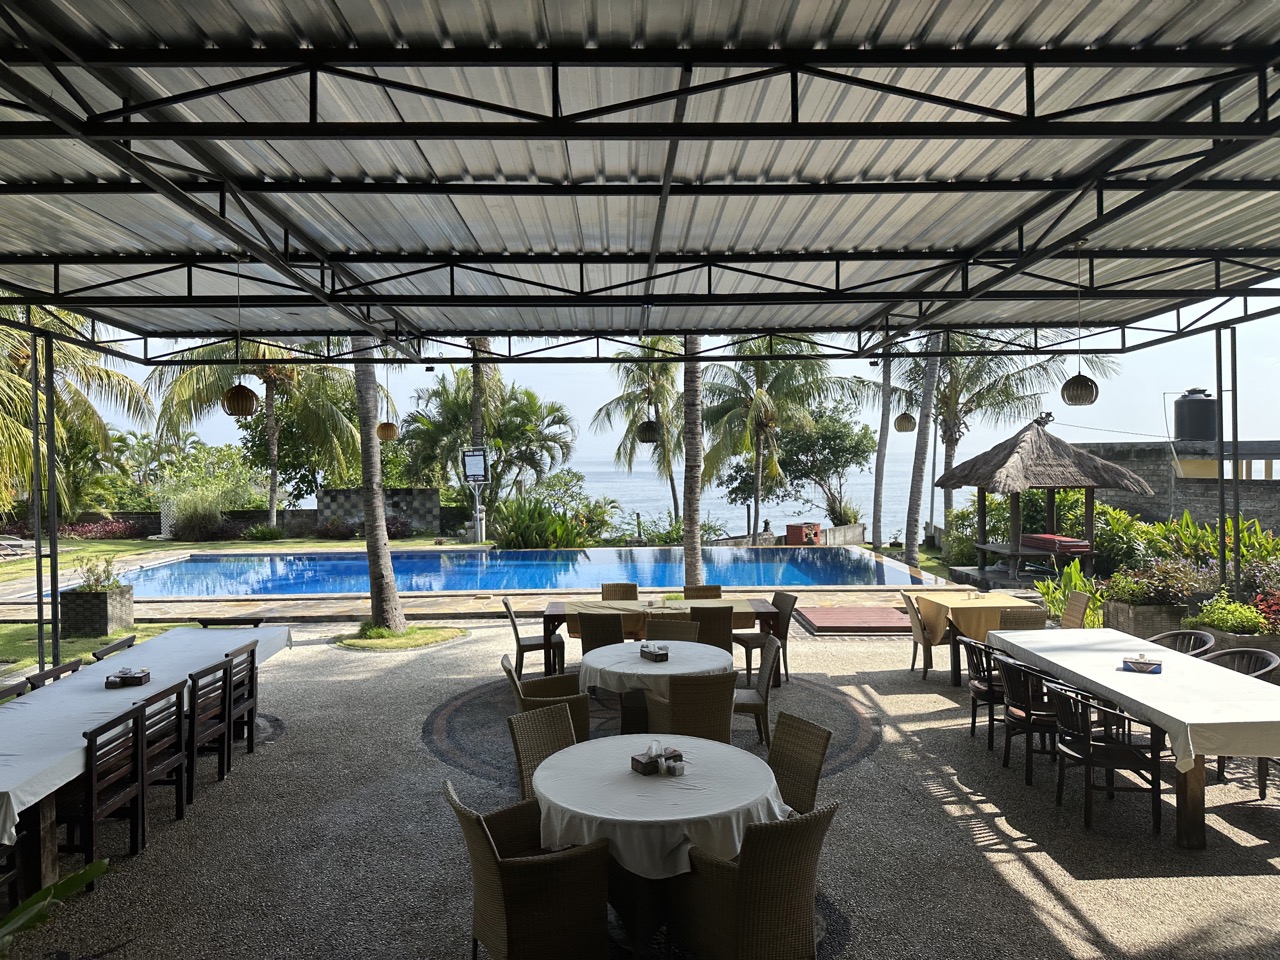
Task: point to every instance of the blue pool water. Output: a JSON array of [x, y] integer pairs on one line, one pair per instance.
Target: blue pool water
[[223, 575]]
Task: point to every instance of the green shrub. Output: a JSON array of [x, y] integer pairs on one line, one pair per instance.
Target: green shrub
[[97, 575], [526, 523], [1223, 613], [261, 531], [1055, 593], [198, 515], [335, 528], [666, 530], [1123, 588]]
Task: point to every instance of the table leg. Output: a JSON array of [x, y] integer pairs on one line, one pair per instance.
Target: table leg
[[550, 624], [640, 904], [769, 622], [635, 712], [1190, 794], [39, 850]]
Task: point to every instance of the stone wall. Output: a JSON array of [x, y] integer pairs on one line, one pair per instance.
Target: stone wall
[[418, 505], [1153, 461]]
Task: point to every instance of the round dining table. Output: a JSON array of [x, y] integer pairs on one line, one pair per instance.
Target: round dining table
[[588, 792], [620, 668]]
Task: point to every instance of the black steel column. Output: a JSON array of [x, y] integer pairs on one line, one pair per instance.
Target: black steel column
[[35, 491], [1235, 471], [51, 500], [1222, 488]]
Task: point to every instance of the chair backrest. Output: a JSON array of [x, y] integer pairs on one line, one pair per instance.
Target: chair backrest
[[619, 591], [918, 632], [702, 706], [163, 713], [1023, 618], [38, 680], [211, 696], [769, 654], [244, 672], [15, 689], [1077, 607], [599, 630], [1023, 687], [511, 617], [668, 628], [509, 669], [785, 604], [124, 643], [1194, 643], [796, 754], [776, 885], [114, 761], [1075, 713], [488, 913], [702, 591], [715, 625], [536, 735], [978, 655], [1247, 660]]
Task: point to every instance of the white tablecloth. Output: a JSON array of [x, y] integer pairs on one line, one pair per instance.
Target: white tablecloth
[[619, 666], [42, 745], [589, 791], [1205, 709]]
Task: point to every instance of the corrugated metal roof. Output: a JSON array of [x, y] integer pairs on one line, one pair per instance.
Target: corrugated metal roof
[[456, 50]]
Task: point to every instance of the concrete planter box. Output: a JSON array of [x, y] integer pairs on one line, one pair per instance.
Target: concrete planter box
[[1142, 621], [95, 613], [1259, 641]]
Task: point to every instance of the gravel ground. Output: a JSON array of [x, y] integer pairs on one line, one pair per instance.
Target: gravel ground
[[333, 840]]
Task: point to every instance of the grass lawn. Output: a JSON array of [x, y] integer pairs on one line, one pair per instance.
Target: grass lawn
[[931, 562], [411, 639], [18, 643]]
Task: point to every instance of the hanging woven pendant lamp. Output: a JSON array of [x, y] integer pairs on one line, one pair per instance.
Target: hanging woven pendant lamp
[[1081, 390], [239, 400], [904, 423], [648, 431], [387, 430]]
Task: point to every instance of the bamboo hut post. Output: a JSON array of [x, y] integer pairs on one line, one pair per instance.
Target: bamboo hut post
[[1089, 525], [982, 527], [1015, 532], [1051, 510]]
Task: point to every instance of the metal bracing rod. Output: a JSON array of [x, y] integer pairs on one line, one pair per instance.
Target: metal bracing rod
[[51, 499], [1235, 467], [660, 215], [1218, 455], [33, 496], [197, 131]]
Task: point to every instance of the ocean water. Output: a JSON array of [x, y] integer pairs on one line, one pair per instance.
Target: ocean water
[[642, 491]]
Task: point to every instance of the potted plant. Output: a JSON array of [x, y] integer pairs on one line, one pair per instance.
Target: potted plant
[[895, 541], [1235, 624], [1153, 599], [99, 605]]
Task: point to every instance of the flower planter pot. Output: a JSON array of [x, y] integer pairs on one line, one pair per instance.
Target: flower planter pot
[[1142, 621], [1259, 641], [95, 613]]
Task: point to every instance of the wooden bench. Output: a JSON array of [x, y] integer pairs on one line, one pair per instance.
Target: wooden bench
[[207, 622]]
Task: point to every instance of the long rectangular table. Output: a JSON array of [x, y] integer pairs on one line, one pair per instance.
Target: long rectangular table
[[1205, 709], [42, 732]]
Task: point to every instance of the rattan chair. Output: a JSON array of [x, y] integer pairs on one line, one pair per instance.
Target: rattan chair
[[1252, 662], [755, 701], [1095, 735], [15, 689], [1027, 710], [599, 630], [715, 626], [663, 629], [165, 759], [536, 693], [531, 643], [1023, 618], [527, 904], [760, 905], [785, 604], [1077, 608], [244, 695], [619, 591], [920, 636], [38, 680], [985, 686], [703, 591], [1194, 643], [536, 735], [700, 706], [124, 643], [796, 756], [209, 720]]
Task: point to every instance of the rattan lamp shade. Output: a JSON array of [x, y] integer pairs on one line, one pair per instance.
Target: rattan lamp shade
[[904, 423], [647, 431], [239, 401], [387, 431], [1080, 391]]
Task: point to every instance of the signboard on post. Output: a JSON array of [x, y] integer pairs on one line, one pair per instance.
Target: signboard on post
[[475, 470]]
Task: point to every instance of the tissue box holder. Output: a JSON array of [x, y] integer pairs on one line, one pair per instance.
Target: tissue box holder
[[134, 678], [644, 764], [653, 655], [1141, 665]]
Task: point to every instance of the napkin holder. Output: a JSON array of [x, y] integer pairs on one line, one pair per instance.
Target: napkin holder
[[128, 677], [1140, 664], [649, 653], [645, 765]]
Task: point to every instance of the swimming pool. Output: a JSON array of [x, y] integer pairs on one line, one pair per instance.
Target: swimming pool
[[240, 574]]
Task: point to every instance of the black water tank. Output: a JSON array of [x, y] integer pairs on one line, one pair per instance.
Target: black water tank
[[1195, 415]]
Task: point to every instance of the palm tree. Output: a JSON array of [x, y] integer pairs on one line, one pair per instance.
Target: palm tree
[[692, 460], [750, 401], [928, 384], [649, 394], [195, 388], [882, 451]]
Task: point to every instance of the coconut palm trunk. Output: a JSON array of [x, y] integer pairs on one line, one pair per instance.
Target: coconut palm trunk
[[758, 477], [882, 450], [664, 453], [273, 447], [384, 599], [479, 348], [950, 440], [692, 460], [928, 389]]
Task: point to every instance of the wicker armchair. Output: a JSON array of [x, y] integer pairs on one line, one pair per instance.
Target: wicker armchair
[[1027, 710], [1077, 607], [756, 701], [1194, 643], [702, 591], [920, 637], [547, 692], [785, 604], [1252, 662], [700, 706], [759, 906], [1023, 618], [527, 904], [619, 591], [536, 735], [531, 643], [796, 756], [599, 630], [662, 629], [715, 626], [985, 685]]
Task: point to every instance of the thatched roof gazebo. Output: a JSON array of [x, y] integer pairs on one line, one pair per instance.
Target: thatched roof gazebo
[[1033, 458]]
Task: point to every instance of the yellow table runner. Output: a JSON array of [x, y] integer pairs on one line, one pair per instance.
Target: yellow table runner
[[973, 616]]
